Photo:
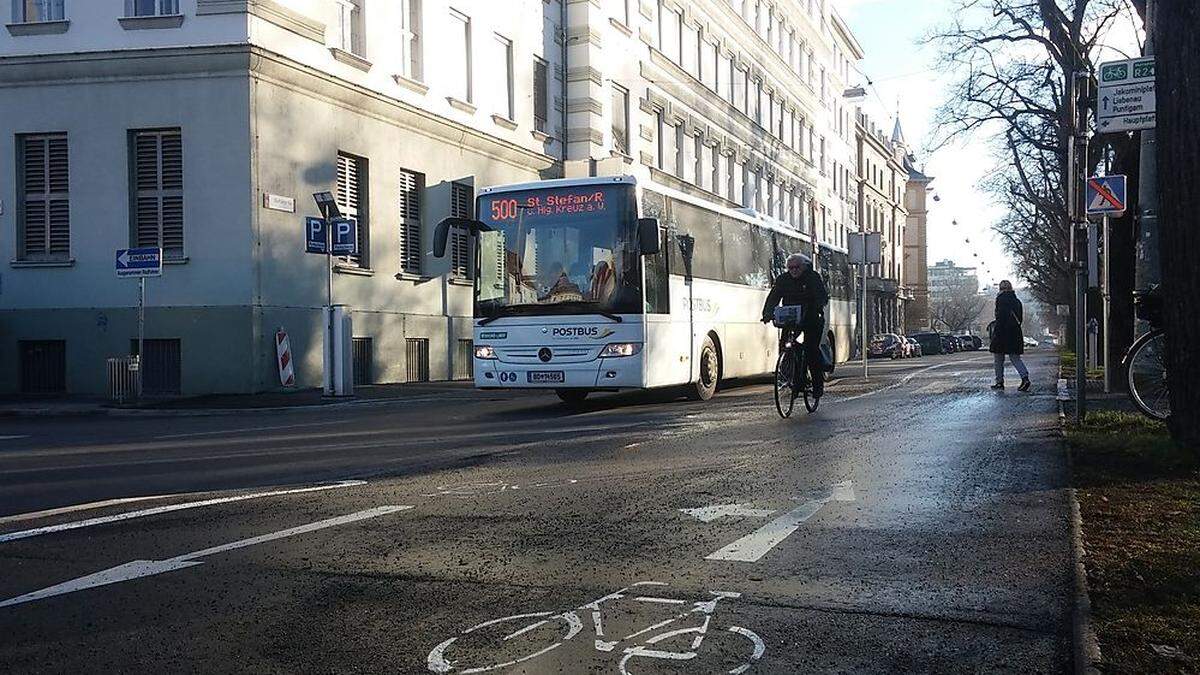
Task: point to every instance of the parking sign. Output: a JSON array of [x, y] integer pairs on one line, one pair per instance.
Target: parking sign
[[345, 236], [316, 235]]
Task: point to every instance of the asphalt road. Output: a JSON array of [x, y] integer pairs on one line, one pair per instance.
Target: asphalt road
[[914, 523]]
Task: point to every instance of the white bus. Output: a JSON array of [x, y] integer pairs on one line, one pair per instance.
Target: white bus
[[603, 284]]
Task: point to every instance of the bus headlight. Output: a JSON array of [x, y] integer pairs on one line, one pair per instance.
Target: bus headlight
[[621, 349], [485, 352]]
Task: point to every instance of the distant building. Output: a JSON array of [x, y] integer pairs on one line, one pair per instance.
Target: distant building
[[946, 278], [881, 186], [917, 315]]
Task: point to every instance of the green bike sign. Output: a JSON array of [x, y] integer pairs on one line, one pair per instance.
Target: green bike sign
[[1125, 100]]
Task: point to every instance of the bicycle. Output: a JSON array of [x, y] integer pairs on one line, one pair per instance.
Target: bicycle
[[1146, 361], [644, 643], [792, 364]]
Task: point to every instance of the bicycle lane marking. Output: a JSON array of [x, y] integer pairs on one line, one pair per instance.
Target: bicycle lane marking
[[438, 661]]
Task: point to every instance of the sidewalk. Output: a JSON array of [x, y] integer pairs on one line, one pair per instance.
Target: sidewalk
[[231, 403]]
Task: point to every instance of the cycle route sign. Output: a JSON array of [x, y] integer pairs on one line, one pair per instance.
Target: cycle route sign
[[1126, 98]]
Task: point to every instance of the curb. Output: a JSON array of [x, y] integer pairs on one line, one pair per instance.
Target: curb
[[1085, 648], [101, 411]]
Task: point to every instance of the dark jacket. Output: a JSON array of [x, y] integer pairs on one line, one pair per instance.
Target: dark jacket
[[1007, 337], [807, 291]]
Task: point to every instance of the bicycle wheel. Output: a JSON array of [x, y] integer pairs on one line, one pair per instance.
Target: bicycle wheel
[[1148, 375], [785, 400], [499, 646], [810, 402]]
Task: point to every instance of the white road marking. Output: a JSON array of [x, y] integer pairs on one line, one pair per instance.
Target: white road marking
[[252, 430], [103, 520], [707, 514], [903, 381], [145, 568], [90, 506], [758, 543], [13, 438]]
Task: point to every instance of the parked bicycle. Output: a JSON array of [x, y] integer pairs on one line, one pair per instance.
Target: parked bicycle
[[791, 371], [1146, 361]]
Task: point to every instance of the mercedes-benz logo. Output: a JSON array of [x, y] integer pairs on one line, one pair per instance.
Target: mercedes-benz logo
[[545, 354]]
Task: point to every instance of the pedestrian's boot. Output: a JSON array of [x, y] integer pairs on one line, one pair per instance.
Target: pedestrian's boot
[[999, 384], [1025, 384]]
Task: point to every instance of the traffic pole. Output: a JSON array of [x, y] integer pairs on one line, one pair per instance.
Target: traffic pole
[[862, 310], [141, 332], [330, 384]]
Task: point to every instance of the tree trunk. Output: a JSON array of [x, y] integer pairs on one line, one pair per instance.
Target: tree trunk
[[1178, 93]]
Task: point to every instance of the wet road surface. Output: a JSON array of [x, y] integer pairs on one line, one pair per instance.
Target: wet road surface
[[915, 523]]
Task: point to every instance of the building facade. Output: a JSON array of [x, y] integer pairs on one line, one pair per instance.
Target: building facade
[[917, 315], [881, 185], [204, 127]]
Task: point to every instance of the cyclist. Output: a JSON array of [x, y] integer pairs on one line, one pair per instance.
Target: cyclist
[[802, 285]]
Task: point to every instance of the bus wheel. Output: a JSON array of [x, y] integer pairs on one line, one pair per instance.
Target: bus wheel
[[572, 397], [710, 371]]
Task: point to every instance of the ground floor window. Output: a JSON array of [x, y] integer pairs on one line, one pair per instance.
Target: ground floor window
[[43, 366]]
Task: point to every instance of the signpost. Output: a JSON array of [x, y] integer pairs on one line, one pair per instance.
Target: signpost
[[864, 249], [140, 263], [1126, 97], [330, 235]]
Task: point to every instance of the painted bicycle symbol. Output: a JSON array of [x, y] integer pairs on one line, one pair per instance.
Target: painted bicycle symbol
[[524, 637]]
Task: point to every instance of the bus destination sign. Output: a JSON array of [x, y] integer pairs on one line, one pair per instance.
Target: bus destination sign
[[548, 203]]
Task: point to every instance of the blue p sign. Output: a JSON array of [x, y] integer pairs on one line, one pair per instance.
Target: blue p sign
[[345, 236], [315, 236]]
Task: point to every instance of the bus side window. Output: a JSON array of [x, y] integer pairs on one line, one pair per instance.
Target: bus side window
[[658, 289]]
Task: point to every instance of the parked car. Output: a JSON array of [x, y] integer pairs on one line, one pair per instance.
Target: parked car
[[949, 344], [886, 345], [969, 343], [914, 347], [930, 343], [1030, 343]]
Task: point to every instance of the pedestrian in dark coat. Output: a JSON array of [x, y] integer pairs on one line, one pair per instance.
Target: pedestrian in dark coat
[[1007, 336]]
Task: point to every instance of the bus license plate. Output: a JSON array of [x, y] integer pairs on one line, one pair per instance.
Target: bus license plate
[[545, 376]]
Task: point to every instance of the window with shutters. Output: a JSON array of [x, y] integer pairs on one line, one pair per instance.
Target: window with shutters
[[461, 206], [43, 202], [541, 95], [457, 54], [158, 190], [349, 27], [502, 77], [353, 201], [412, 188]]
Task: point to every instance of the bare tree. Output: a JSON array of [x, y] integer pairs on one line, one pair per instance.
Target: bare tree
[[1014, 58], [957, 309]]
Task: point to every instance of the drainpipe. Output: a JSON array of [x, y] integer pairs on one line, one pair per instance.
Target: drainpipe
[[562, 10]]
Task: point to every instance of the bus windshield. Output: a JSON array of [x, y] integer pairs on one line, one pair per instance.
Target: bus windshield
[[559, 250]]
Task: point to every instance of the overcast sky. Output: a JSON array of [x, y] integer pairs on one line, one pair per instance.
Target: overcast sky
[[900, 66]]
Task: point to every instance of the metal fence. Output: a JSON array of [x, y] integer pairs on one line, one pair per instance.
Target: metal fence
[[417, 353], [122, 379]]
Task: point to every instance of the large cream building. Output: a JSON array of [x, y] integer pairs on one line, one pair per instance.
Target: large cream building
[[204, 127]]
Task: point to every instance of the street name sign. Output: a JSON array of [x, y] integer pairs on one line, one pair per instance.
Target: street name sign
[[345, 236], [1105, 195], [1125, 100], [139, 262], [316, 235]]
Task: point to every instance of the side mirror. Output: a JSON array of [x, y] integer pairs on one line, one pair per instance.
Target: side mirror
[[648, 239], [442, 232]]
